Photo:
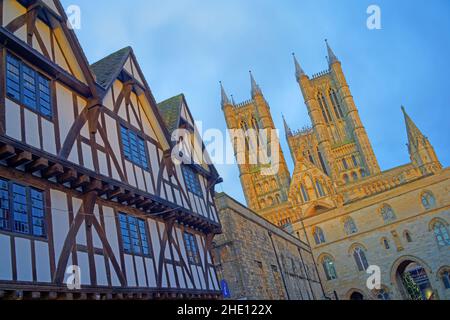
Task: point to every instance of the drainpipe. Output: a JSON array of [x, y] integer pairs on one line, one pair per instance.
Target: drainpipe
[[279, 266]]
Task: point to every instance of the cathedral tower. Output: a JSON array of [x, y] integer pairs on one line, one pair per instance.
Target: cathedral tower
[[343, 150], [264, 193]]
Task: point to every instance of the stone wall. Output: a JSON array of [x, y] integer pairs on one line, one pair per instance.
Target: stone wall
[[259, 261], [410, 216]]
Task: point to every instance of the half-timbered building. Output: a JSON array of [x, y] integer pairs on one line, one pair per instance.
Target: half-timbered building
[[88, 187]]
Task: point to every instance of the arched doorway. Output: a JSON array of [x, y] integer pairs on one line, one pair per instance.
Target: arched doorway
[[413, 281], [356, 296]]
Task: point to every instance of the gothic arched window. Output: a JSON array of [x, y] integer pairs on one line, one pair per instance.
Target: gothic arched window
[[319, 236], [360, 258], [386, 244], [345, 164], [441, 234], [355, 176], [320, 190], [355, 162], [445, 276], [428, 201], [324, 107], [336, 104], [329, 268], [305, 194], [408, 237], [388, 213], [363, 173], [350, 226], [322, 162]]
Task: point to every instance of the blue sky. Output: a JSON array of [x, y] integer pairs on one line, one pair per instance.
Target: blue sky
[[189, 46]]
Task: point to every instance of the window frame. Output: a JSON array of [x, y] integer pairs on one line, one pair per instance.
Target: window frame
[[38, 75], [139, 138], [360, 258], [29, 207], [350, 226], [388, 219], [427, 195], [188, 180], [327, 263], [445, 278], [441, 234], [139, 232], [190, 242], [319, 236]]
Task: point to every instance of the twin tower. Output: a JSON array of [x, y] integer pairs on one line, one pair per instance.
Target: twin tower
[[337, 143]]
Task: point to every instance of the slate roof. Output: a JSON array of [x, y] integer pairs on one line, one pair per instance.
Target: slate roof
[[108, 68], [170, 111]]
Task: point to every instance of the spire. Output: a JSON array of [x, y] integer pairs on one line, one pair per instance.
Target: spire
[[298, 69], [331, 56], [414, 133], [255, 88], [232, 100], [420, 149], [286, 127], [225, 100]]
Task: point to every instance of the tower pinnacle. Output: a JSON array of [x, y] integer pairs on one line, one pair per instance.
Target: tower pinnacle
[[286, 128], [420, 149], [298, 69], [331, 56], [255, 87], [225, 100]]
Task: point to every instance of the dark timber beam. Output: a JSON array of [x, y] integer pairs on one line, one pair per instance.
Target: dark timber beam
[[81, 182], [94, 185], [54, 171], [115, 193], [126, 197], [7, 152], [37, 165], [20, 159], [68, 176]]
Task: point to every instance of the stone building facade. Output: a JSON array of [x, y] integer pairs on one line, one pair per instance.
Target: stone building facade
[[351, 213], [259, 261]]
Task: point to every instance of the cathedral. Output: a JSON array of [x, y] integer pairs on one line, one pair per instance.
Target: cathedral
[[354, 216]]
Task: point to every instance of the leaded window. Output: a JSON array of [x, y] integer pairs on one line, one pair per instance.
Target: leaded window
[[446, 279], [191, 248], [134, 148], [428, 201], [388, 214], [192, 181], [22, 209], [329, 268], [360, 259], [319, 236], [350, 226], [134, 235], [441, 234], [28, 86]]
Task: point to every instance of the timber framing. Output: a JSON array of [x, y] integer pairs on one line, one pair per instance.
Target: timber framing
[[74, 157], [56, 170]]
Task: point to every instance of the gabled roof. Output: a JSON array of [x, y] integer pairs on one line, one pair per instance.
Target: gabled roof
[[110, 68], [107, 69], [170, 111]]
